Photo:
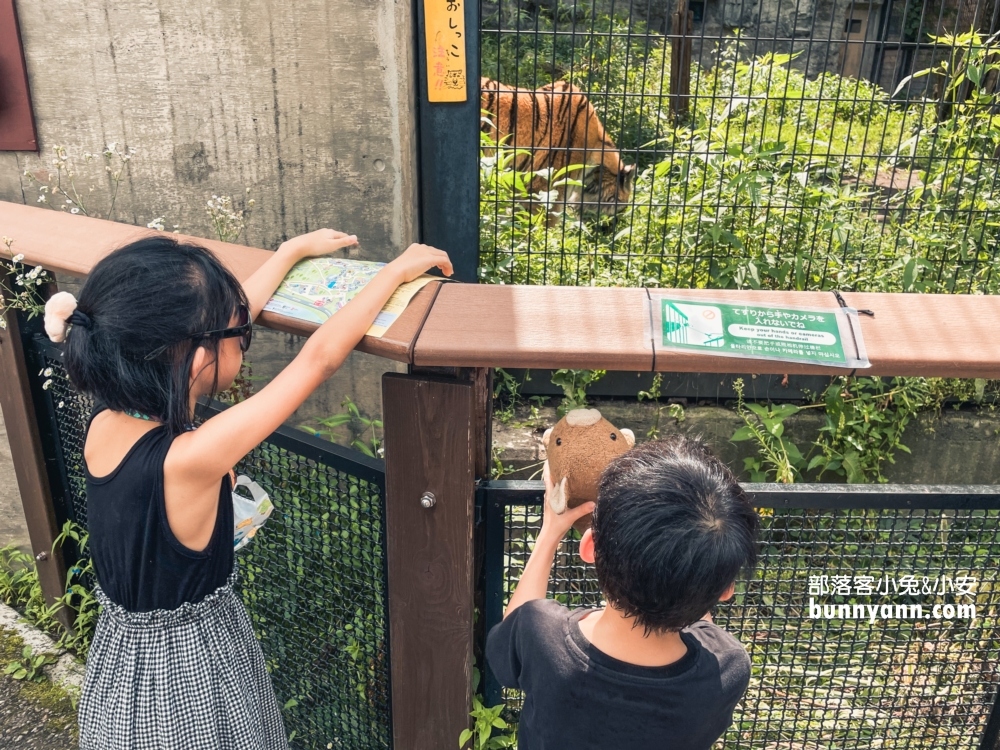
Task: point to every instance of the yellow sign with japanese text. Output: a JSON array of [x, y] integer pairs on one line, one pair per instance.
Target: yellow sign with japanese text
[[444, 25]]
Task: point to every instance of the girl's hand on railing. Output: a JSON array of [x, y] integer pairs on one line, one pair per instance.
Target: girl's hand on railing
[[418, 259], [266, 279], [315, 244]]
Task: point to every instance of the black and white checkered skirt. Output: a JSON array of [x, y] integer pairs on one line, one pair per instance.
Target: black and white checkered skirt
[[190, 678]]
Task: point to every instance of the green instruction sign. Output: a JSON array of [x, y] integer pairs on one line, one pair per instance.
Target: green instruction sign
[[823, 337]]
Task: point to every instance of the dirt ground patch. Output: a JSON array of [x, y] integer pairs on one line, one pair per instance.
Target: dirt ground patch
[[33, 715]]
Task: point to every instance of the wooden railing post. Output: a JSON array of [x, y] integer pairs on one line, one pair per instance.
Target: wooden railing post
[[20, 418], [430, 446]]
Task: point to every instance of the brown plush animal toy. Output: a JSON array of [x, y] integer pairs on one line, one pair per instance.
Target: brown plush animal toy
[[578, 449]]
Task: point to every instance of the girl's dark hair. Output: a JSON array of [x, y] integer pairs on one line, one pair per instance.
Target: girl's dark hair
[[153, 293], [672, 530]]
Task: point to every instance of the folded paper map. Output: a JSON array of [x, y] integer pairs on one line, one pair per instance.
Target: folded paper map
[[315, 289]]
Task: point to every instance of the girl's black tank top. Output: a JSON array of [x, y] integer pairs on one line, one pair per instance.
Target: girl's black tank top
[[140, 564]]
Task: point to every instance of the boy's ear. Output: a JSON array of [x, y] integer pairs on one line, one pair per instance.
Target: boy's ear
[[728, 593], [587, 547]]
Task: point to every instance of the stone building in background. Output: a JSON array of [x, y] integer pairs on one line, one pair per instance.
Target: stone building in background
[[882, 41]]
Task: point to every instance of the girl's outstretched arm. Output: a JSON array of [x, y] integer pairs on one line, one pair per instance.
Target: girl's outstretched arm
[[260, 287], [202, 457]]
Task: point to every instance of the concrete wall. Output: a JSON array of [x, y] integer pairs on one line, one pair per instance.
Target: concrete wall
[[306, 102], [13, 529]]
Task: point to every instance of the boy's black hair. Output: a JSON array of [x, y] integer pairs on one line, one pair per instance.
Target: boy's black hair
[[153, 293], [672, 530]]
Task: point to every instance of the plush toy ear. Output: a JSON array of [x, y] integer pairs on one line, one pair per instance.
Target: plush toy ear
[[545, 437], [558, 497], [629, 436]]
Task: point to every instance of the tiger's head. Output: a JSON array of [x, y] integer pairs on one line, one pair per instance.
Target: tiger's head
[[607, 187]]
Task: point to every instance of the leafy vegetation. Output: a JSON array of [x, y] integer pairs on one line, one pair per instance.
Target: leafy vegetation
[[21, 589], [775, 182], [365, 431], [489, 731], [30, 666]]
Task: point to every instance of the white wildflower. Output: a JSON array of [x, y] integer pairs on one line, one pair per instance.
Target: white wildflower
[[74, 210], [156, 224], [18, 258], [47, 372], [60, 405], [47, 384]]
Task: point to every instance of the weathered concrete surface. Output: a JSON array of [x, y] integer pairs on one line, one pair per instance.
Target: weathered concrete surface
[[955, 447], [13, 529], [306, 102]]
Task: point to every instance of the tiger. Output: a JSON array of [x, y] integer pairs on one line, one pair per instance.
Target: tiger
[[559, 127]]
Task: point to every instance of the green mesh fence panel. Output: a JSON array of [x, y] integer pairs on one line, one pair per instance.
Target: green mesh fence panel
[[923, 682], [810, 148], [313, 579]]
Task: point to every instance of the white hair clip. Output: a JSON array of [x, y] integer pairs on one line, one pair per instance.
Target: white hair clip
[[60, 314]]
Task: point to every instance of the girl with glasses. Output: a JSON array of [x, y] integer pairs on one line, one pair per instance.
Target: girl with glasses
[[159, 324]]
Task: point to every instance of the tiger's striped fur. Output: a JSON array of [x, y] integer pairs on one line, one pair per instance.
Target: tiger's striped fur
[[559, 126]]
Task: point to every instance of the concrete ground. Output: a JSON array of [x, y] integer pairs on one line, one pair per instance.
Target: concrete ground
[[12, 527]]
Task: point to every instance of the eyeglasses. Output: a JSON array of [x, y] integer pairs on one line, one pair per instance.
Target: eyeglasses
[[243, 329]]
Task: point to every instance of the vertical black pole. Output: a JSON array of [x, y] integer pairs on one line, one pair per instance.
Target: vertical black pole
[[449, 156]]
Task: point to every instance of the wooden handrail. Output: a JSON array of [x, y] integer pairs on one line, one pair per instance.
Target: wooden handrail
[[70, 244], [465, 325]]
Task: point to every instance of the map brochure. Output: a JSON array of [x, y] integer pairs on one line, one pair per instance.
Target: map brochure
[[762, 331], [316, 288]]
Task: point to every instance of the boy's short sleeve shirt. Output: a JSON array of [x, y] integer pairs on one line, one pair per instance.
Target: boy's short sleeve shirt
[[578, 696]]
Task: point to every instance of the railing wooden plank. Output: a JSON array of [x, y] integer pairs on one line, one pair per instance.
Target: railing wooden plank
[[536, 326], [930, 335], [72, 244], [466, 325]]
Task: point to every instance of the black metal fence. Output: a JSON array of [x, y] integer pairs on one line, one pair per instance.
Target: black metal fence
[[799, 144], [823, 677], [313, 579]]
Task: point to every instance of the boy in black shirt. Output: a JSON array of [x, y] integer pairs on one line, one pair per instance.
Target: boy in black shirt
[[671, 531]]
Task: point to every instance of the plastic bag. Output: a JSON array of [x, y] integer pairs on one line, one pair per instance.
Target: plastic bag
[[249, 514]]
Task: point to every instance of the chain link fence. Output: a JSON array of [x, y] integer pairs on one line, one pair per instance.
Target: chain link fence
[[781, 144], [826, 678]]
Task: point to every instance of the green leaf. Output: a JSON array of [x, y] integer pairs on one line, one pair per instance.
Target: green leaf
[[784, 411], [852, 465], [774, 426], [743, 433], [794, 454]]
